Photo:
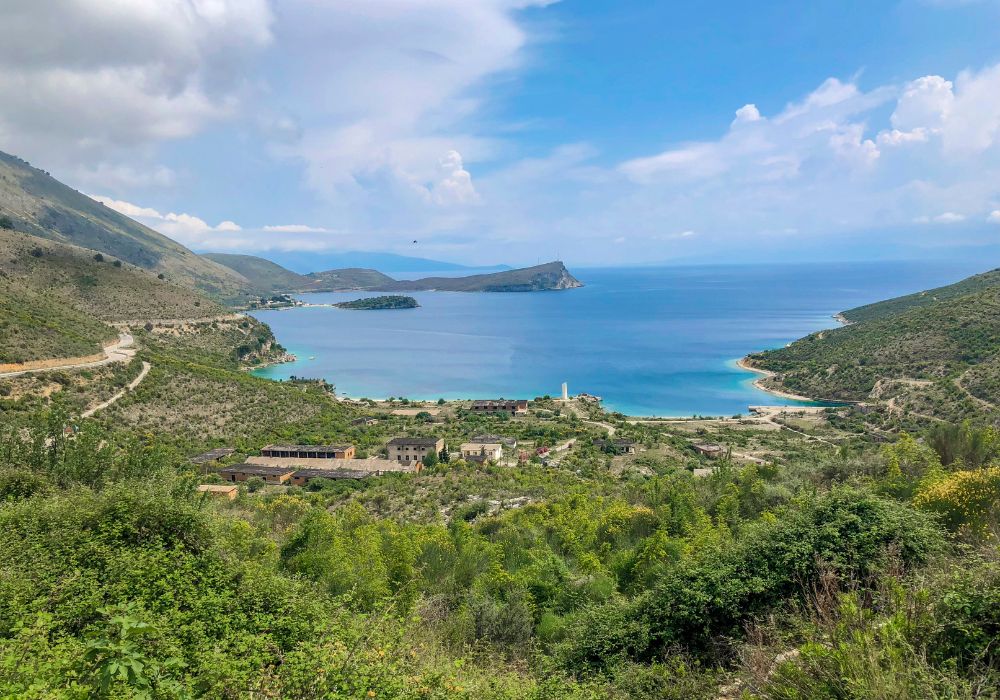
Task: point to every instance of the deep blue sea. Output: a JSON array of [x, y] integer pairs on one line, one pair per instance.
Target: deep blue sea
[[650, 341]]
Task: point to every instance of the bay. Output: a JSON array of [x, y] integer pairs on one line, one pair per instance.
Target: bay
[[650, 341]]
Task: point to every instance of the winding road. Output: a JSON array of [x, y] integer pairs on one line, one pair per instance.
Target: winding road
[[121, 350]]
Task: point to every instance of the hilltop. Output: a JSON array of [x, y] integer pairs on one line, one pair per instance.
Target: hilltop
[[350, 278], [271, 277], [892, 307], [38, 204], [547, 277], [267, 277]]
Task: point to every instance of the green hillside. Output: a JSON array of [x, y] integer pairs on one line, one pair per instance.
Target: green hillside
[[38, 204], [266, 276], [37, 326], [349, 278], [932, 342], [54, 298], [891, 307], [379, 303]]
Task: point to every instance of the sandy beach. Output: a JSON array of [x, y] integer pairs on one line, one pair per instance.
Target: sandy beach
[[744, 363]]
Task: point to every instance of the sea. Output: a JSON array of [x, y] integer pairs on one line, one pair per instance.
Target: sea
[[650, 341]]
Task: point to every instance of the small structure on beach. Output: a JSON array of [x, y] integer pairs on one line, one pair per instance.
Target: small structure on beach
[[309, 451], [515, 407], [212, 456], [239, 473], [482, 451], [407, 450], [227, 491]]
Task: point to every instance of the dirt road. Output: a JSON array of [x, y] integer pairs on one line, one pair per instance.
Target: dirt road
[[120, 351]]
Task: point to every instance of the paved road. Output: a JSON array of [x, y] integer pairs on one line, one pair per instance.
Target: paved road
[[131, 386], [120, 351]]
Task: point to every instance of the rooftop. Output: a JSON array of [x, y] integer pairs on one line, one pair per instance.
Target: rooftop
[[212, 455], [306, 448], [256, 469], [330, 474]]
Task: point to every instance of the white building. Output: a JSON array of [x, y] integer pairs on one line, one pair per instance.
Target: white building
[[482, 451]]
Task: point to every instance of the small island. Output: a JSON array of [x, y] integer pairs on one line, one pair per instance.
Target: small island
[[379, 303]]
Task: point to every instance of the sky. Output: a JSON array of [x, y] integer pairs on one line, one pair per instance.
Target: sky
[[520, 131]]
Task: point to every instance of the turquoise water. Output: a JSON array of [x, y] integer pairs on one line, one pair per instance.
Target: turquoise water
[[650, 341]]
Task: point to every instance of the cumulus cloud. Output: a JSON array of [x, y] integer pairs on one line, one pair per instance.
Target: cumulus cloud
[[994, 217], [195, 232], [948, 217], [129, 73]]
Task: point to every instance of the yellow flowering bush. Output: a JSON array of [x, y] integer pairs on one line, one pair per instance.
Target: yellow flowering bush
[[967, 501]]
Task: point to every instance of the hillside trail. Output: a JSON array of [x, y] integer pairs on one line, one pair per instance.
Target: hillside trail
[[131, 387]]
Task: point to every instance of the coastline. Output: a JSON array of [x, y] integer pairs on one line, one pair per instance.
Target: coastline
[[744, 363]]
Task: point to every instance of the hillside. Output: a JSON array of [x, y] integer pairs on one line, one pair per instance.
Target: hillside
[[550, 276], [55, 298], [38, 204], [891, 307], [266, 276], [919, 346], [349, 279]]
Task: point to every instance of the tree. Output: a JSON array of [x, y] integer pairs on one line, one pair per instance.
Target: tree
[[99, 258], [430, 459], [6, 223], [443, 456], [118, 263]]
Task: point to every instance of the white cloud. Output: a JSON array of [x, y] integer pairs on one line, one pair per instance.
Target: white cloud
[[85, 80], [296, 228], [994, 217], [455, 183], [747, 113], [195, 232], [948, 217]]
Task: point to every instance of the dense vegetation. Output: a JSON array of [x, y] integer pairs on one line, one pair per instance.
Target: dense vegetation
[[592, 576], [379, 303], [956, 342], [35, 327]]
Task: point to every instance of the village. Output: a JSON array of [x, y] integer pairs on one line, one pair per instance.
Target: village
[[707, 442]]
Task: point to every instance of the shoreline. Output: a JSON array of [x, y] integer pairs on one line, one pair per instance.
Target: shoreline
[[744, 363]]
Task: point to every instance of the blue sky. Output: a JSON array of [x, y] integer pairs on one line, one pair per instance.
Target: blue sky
[[519, 130]]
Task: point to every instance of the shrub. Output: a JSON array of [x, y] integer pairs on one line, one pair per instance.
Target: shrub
[[966, 501]]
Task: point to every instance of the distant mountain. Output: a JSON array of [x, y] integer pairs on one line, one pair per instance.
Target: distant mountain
[[38, 204], [390, 263], [891, 307], [550, 276], [272, 277]]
